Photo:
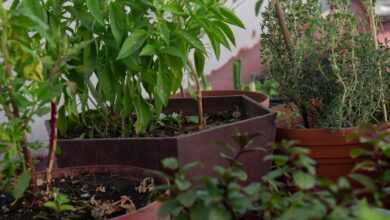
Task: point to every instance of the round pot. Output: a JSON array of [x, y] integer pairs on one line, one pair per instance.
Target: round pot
[[149, 212], [258, 97], [329, 147]]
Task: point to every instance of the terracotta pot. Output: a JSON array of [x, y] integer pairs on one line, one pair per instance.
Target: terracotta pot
[[328, 147], [149, 212], [200, 146], [256, 96]]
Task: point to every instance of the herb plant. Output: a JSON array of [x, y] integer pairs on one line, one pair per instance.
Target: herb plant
[[36, 46], [59, 203], [138, 54], [331, 66], [291, 190]]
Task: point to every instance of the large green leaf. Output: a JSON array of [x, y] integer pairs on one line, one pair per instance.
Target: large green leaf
[[96, 9], [132, 43], [199, 59], [231, 18], [22, 184], [117, 21], [144, 115]]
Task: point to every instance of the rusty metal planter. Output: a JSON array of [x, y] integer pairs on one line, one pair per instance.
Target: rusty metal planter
[[199, 146]]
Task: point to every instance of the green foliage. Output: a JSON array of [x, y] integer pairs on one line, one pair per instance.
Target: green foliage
[[59, 203], [269, 87], [291, 190], [331, 68], [36, 47], [138, 55]]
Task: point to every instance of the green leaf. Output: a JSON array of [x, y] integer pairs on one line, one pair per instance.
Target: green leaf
[[51, 205], [231, 18], [171, 207], [182, 184], [194, 41], [95, 7], [218, 213], [170, 163], [357, 152], [144, 115], [67, 208], [148, 50], [22, 184], [365, 181], [199, 212], [304, 180], [199, 58], [117, 21], [132, 44], [258, 5], [187, 199]]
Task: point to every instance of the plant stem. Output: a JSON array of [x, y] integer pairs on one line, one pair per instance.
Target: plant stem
[[374, 32], [52, 144], [199, 97], [282, 22]]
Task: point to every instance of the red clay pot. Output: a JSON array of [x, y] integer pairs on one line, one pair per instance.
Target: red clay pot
[[149, 212], [256, 96], [328, 147]]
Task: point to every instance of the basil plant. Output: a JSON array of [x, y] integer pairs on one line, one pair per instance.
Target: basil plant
[[136, 60]]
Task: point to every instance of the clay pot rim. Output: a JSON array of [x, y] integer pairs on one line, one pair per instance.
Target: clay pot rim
[[96, 169], [246, 98], [310, 137], [385, 125]]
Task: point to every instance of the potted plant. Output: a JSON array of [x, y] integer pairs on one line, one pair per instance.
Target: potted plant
[[37, 47], [119, 110], [333, 71], [292, 190]]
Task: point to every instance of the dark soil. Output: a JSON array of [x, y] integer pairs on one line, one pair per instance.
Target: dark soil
[[94, 124], [93, 196]]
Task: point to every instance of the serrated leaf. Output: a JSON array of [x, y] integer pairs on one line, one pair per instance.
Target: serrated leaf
[[132, 44]]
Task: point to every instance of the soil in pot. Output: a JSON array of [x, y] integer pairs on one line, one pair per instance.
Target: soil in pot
[[93, 196], [169, 125]]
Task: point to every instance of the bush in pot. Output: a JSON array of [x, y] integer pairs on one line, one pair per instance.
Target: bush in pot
[[38, 45], [334, 73], [137, 67], [290, 191]]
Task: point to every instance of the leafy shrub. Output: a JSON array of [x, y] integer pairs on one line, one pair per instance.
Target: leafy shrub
[[330, 66]]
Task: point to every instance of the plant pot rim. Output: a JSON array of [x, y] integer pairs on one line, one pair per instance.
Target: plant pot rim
[[253, 102], [322, 136], [96, 169]]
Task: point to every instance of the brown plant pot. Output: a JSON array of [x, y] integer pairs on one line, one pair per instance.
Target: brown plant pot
[[329, 147], [256, 96], [149, 212], [198, 146]]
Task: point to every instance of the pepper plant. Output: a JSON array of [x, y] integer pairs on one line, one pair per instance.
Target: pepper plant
[[136, 61]]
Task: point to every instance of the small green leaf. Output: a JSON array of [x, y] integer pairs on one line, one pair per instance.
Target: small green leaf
[[95, 7], [187, 199], [218, 213], [22, 184], [148, 50], [182, 184], [132, 44], [170, 163], [171, 207], [304, 180]]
